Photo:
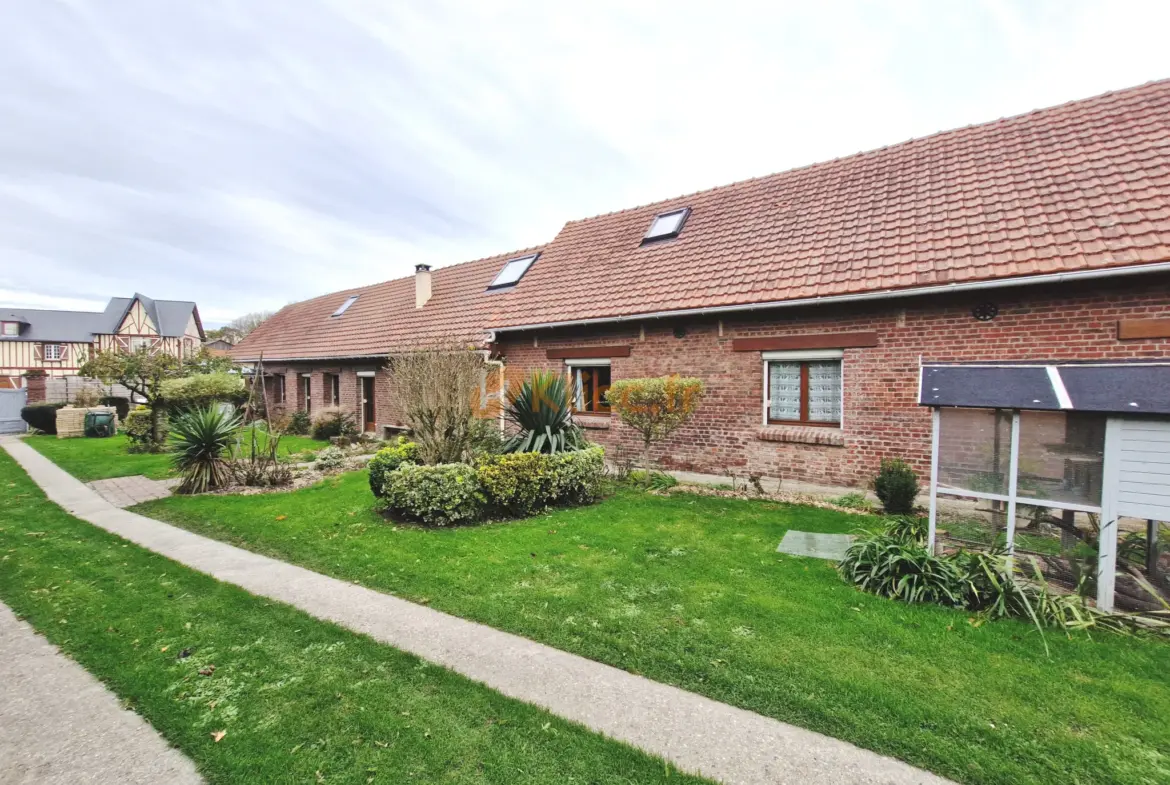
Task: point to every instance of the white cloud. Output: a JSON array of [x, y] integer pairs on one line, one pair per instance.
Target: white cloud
[[248, 154]]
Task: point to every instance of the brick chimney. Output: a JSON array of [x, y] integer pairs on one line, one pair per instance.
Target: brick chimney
[[422, 284]]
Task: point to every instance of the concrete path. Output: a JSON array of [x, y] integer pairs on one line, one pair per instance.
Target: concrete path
[[136, 489], [58, 724], [694, 733]]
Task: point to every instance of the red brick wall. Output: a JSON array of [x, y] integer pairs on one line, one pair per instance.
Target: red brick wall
[[880, 415]]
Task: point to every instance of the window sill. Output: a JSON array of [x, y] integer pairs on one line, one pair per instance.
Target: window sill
[[594, 422], [798, 434]]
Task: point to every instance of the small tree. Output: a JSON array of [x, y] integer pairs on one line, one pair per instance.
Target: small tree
[[438, 389], [143, 373], [656, 407]]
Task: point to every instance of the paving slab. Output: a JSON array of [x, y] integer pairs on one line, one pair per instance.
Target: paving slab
[[815, 544], [61, 726], [127, 491], [692, 732]]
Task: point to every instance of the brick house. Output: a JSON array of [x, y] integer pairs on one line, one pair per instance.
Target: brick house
[[806, 300]]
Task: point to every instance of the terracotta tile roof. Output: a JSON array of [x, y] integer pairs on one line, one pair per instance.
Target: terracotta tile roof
[[1080, 186], [384, 316]]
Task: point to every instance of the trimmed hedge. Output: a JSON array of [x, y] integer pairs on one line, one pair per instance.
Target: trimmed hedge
[[137, 430], [387, 460], [120, 403], [511, 486], [441, 495], [42, 416], [202, 390]]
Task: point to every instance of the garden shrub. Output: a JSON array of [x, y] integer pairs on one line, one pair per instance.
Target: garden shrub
[[42, 416], [896, 485], [517, 484], [120, 403], [484, 437], [655, 407], [441, 495], [520, 484], [332, 422], [138, 431], [329, 459], [653, 480], [896, 564], [892, 567], [512, 484], [300, 423], [907, 528], [578, 476], [387, 460], [202, 390]]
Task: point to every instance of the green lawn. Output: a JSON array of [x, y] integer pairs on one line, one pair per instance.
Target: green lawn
[[100, 459], [300, 700], [689, 590]]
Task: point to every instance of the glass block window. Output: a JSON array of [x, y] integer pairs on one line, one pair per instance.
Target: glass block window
[[784, 391], [804, 391]]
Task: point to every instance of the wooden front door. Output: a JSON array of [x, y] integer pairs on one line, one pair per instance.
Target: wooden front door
[[369, 415]]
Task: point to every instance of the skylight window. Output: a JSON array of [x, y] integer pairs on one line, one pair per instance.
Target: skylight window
[[513, 271], [345, 305], [667, 225]]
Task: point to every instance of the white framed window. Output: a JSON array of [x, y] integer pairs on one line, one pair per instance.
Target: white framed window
[[139, 344], [590, 381], [11, 329], [803, 387], [53, 351]]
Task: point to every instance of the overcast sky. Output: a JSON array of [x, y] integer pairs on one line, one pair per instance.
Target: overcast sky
[[248, 154]]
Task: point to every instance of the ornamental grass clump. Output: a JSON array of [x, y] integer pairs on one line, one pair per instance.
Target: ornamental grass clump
[[895, 563], [202, 441]]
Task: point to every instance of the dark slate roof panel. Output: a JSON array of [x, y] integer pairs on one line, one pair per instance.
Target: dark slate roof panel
[[173, 316], [1134, 389], [63, 326], [987, 387]]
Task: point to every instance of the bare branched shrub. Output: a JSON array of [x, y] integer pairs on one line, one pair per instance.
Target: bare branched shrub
[[439, 389]]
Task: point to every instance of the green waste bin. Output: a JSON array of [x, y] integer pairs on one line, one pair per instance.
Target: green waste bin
[[99, 424]]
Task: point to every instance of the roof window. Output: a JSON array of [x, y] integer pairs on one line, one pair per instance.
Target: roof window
[[667, 225], [345, 305], [513, 271]]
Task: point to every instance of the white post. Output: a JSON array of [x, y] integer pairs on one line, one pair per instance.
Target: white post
[[1107, 541], [1014, 466], [934, 421]]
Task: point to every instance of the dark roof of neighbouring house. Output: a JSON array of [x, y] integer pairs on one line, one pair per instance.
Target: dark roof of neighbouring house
[[1077, 187], [169, 316]]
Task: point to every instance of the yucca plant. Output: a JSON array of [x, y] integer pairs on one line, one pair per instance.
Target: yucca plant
[[202, 440], [540, 409]]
